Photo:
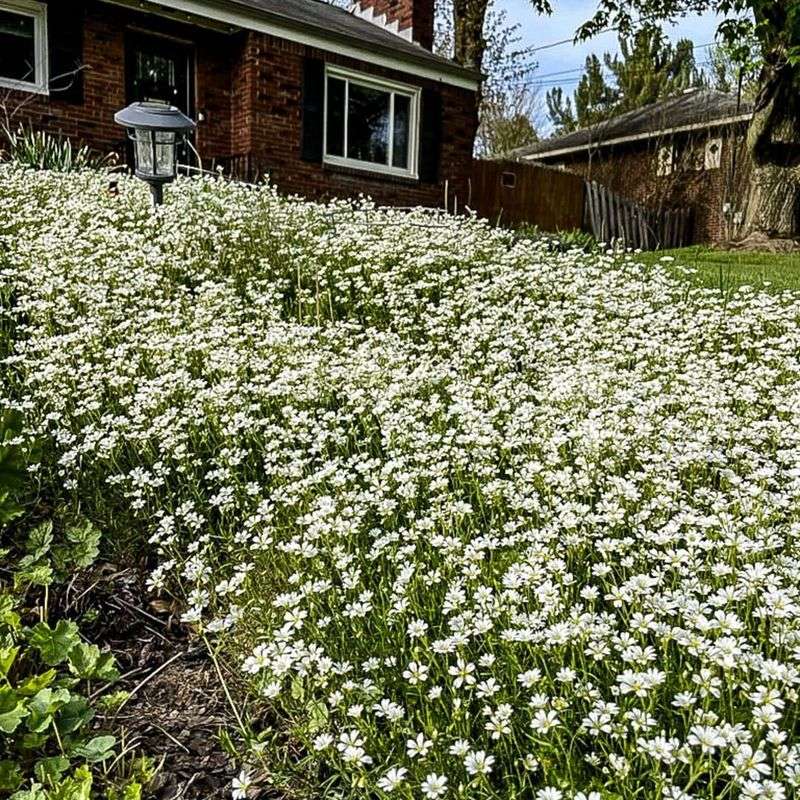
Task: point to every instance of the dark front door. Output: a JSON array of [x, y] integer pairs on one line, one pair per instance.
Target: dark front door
[[158, 68]]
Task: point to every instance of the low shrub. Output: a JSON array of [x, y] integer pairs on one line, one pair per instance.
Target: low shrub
[[560, 241], [39, 149]]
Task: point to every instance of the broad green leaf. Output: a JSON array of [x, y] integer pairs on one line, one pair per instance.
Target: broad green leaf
[[36, 683], [98, 749], [83, 660], [73, 715], [49, 770], [43, 705], [7, 657], [106, 669], [13, 709], [37, 575], [34, 793], [8, 616], [39, 541], [10, 776], [54, 644], [77, 787]]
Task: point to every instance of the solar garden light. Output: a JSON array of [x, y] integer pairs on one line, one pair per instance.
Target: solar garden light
[[156, 130]]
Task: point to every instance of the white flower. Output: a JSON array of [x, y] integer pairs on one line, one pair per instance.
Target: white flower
[[418, 747], [393, 779], [434, 786], [478, 763], [241, 785]]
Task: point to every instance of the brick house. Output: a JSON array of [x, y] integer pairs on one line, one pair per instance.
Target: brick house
[[686, 151], [327, 102]]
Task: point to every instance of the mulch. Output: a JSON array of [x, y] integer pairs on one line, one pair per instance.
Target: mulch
[[177, 705]]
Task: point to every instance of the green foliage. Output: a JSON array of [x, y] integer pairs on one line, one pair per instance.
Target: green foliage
[[12, 466], [49, 748], [560, 242], [43, 150], [650, 68]]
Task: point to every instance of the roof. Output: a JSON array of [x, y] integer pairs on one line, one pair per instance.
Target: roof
[[693, 110], [319, 23]]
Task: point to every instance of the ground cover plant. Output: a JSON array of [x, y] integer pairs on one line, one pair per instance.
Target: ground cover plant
[[457, 515]]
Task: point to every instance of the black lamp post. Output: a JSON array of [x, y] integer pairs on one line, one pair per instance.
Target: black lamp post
[[155, 129]]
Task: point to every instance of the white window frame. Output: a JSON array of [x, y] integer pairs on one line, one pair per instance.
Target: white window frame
[[414, 93], [40, 84]]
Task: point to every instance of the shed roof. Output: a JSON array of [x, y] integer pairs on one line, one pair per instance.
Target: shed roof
[[695, 109]]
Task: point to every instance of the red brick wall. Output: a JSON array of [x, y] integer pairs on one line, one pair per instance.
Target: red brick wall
[[92, 121], [631, 171], [275, 68], [248, 89], [415, 14]]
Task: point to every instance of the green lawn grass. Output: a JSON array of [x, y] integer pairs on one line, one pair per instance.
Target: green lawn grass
[[726, 271]]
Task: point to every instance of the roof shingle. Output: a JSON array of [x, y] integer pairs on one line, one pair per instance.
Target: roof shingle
[[693, 108], [337, 23]]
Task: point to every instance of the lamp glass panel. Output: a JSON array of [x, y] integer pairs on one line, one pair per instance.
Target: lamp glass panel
[[165, 153], [144, 151]]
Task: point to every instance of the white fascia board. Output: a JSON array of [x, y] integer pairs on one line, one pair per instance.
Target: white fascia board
[[240, 18], [602, 143]]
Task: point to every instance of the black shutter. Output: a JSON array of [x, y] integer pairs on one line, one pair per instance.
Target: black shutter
[[430, 136], [65, 32], [313, 109]]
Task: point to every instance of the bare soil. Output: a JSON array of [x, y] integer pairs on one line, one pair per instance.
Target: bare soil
[[177, 706]]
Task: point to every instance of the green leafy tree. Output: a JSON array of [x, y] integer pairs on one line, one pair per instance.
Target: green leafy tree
[[648, 68], [594, 100], [734, 70]]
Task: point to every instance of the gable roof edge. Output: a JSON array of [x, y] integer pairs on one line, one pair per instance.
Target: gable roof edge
[[261, 21], [635, 137]]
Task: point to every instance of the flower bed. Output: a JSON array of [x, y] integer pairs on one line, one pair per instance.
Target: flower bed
[[472, 518]]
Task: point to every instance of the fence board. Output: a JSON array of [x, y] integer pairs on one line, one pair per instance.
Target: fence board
[[549, 198], [613, 218]]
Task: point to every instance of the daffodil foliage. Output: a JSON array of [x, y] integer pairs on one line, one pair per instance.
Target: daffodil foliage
[[471, 517]]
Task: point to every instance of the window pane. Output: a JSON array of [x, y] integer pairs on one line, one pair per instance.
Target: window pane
[[155, 77], [335, 138], [368, 125], [17, 50], [402, 130]]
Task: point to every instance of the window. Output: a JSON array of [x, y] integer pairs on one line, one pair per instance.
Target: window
[[23, 45], [508, 180], [665, 161], [713, 154], [370, 124]]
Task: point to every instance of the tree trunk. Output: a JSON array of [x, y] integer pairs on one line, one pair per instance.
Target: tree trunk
[[773, 141], [469, 17]]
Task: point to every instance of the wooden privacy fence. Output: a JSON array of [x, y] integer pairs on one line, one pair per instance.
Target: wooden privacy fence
[[518, 193], [611, 218]]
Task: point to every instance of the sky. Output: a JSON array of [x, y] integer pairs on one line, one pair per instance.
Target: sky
[[538, 30]]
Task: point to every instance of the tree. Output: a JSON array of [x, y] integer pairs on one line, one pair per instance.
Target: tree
[[649, 68], [594, 100], [734, 71], [773, 138], [509, 101]]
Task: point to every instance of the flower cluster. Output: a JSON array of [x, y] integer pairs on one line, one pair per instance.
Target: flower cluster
[[474, 518]]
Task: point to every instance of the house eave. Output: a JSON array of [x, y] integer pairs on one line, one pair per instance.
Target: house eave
[[233, 17], [605, 143]]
